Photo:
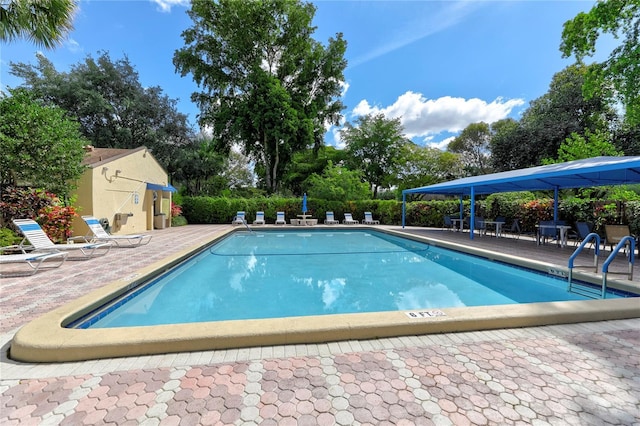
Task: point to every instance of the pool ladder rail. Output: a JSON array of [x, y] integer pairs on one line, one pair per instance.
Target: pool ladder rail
[[590, 291], [244, 222], [246, 225]]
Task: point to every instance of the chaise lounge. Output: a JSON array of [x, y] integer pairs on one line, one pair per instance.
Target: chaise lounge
[[280, 220], [40, 242], [349, 220], [99, 234], [239, 219], [34, 260], [259, 219], [368, 219], [330, 220]]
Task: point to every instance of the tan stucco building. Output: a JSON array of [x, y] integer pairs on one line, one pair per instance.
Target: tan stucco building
[[127, 187]]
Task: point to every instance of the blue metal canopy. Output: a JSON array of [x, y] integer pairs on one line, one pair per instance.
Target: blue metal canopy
[[158, 187], [587, 173]]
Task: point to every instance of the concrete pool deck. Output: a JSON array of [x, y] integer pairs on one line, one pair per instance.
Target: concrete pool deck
[[587, 371]]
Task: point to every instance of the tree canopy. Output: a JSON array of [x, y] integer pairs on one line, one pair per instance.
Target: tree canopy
[[418, 166], [266, 84], [40, 145], [43, 22], [549, 121], [373, 143], [473, 144], [620, 74], [578, 147], [112, 106], [337, 183]]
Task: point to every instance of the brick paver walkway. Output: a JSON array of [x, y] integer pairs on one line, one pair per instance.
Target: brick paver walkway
[[581, 374]]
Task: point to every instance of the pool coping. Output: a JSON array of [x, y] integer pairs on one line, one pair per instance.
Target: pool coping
[[46, 340]]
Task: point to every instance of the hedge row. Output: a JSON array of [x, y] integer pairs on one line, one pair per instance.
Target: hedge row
[[419, 213]]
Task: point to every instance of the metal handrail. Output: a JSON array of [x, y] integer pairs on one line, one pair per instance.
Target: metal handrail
[[631, 256], [246, 224], [587, 240]]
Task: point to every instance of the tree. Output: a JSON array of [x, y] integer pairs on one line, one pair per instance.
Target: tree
[[265, 83], [237, 172], [305, 163], [40, 145], [473, 144], [372, 146], [549, 121], [44, 22], [113, 108], [578, 147], [418, 166], [337, 184], [510, 146], [621, 72], [563, 110], [195, 165]]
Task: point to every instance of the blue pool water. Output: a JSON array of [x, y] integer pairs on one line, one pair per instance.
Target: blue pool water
[[272, 274]]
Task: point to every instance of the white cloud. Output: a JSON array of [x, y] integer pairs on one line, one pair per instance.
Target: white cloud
[[166, 5], [345, 88], [442, 145], [73, 46], [337, 138], [422, 117]]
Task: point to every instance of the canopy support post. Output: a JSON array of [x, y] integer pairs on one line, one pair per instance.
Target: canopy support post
[[555, 204], [472, 219], [404, 208]]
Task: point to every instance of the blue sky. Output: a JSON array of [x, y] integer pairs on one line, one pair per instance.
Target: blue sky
[[439, 65]]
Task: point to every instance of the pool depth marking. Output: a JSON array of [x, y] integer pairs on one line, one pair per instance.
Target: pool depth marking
[[425, 314]]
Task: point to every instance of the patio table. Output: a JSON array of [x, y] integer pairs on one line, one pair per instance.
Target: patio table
[[497, 226], [456, 222], [564, 230], [305, 219]]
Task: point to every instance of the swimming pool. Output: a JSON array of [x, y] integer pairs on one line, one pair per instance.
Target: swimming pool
[[275, 274], [47, 338]]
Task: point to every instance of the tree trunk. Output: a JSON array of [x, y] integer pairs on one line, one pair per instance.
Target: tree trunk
[[274, 177]]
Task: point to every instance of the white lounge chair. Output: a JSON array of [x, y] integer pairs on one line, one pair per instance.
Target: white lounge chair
[[259, 219], [99, 234], [280, 220], [238, 219], [34, 260], [40, 242], [330, 220], [349, 220], [368, 219]]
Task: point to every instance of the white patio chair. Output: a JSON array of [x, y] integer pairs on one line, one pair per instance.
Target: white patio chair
[[280, 220], [238, 219], [368, 219], [259, 219], [331, 220], [349, 220]]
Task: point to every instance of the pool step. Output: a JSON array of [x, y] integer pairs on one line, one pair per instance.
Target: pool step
[[586, 290]]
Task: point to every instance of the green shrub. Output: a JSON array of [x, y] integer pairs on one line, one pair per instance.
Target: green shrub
[[178, 221], [8, 237], [418, 213], [632, 212]]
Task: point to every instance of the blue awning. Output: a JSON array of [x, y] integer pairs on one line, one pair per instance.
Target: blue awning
[[158, 187], [586, 173]]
